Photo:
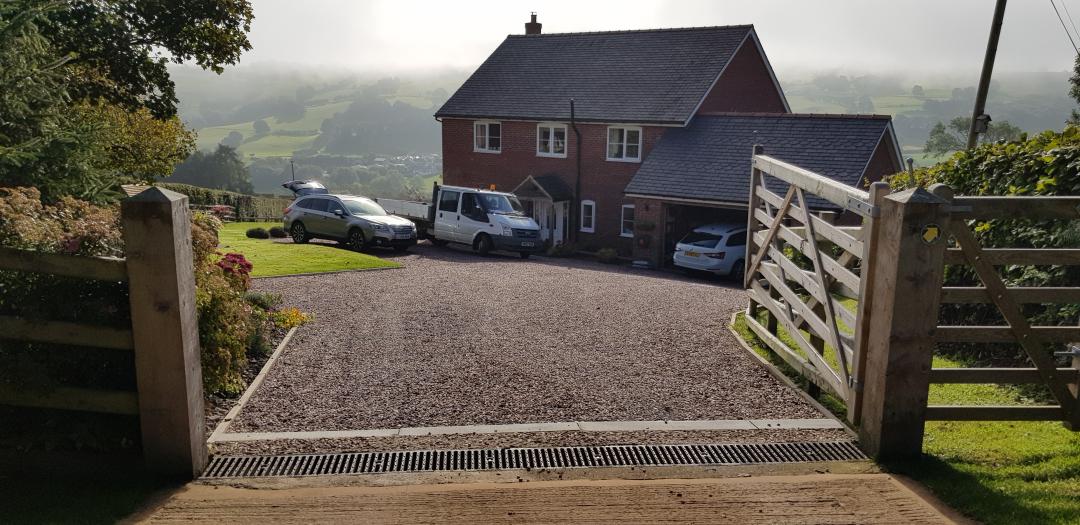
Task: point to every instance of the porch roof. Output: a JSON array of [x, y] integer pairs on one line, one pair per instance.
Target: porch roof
[[549, 186]]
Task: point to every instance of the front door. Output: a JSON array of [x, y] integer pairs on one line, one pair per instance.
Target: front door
[[541, 210], [561, 222]]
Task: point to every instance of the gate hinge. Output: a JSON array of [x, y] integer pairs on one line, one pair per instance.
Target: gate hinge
[[854, 384], [854, 203]]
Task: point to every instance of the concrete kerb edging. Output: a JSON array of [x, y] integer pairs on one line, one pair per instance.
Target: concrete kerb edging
[[331, 272], [578, 426], [223, 425], [779, 375]]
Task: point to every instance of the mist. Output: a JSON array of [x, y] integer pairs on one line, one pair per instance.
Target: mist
[[910, 38]]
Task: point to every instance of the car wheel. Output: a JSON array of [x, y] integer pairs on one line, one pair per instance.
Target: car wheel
[[484, 245], [524, 255], [299, 233], [356, 239], [738, 273]]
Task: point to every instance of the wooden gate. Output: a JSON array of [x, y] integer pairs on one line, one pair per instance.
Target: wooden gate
[[814, 286], [855, 309], [1041, 344]]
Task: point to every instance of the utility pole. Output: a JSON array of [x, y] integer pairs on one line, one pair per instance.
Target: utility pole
[[292, 167], [980, 121]]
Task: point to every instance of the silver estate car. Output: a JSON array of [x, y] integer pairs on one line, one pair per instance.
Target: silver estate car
[[357, 221]]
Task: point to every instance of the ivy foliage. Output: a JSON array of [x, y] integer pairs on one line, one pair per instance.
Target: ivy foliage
[[1044, 165]]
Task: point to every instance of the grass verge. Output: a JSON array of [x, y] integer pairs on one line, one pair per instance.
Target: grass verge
[[995, 472], [270, 258]]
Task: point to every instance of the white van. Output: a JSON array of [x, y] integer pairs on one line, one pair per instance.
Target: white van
[[484, 219]]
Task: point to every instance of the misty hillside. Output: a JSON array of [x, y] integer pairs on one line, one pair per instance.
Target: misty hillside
[[307, 112]]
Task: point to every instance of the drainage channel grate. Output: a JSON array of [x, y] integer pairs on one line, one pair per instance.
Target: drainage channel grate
[[529, 458]]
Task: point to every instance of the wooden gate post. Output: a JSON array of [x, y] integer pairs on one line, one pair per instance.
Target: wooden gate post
[[906, 285], [157, 235]]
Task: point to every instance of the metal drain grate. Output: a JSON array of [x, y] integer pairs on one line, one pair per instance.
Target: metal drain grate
[[529, 458]]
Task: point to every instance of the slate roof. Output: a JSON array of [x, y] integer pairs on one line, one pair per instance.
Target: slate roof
[[654, 76], [710, 158]]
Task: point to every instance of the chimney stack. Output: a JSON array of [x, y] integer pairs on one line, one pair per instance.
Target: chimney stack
[[533, 27]]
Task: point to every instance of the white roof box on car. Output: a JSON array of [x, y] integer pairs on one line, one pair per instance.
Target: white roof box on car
[[305, 187]]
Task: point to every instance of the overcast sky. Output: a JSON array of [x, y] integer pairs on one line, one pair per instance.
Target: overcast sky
[[911, 36]]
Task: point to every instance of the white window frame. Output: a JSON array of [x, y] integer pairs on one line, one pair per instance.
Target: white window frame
[[622, 221], [624, 158], [552, 126], [592, 217], [487, 136]]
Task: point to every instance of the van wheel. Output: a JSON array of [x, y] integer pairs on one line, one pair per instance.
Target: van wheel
[[299, 233], [524, 255], [356, 239], [738, 272], [484, 244]]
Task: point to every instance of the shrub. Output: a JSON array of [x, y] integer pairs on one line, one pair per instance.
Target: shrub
[[246, 206], [290, 318], [257, 233], [263, 300], [278, 232], [565, 249], [1047, 164], [607, 255]]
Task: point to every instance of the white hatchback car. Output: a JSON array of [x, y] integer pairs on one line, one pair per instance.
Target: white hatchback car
[[714, 248]]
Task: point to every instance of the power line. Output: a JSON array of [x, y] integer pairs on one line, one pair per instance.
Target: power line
[[1065, 5], [1066, 28]]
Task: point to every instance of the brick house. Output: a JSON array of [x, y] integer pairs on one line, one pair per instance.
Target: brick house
[[572, 123]]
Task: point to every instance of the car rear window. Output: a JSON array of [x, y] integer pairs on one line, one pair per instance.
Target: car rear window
[[314, 204], [736, 239], [702, 239]]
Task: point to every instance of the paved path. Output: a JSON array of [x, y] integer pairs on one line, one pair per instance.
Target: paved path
[[457, 339], [825, 498]]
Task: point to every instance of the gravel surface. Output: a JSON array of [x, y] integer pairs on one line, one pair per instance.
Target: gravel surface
[[524, 439], [454, 338]]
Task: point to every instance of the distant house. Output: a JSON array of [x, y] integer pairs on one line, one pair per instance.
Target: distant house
[[627, 139]]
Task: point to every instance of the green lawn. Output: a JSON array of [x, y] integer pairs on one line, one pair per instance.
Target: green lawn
[[995, 472], [270, 258]]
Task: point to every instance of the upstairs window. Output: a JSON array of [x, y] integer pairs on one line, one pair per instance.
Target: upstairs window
[[487, 137], [624, 144], [588, 216], [551, 140]]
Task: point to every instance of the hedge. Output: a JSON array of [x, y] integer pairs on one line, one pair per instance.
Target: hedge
[[247, 207], [1045, 164]]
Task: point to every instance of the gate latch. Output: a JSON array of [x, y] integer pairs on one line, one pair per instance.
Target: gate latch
[[1073, 351]]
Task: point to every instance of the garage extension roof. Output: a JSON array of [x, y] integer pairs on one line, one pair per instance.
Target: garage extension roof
[[710, 159], [656, 76]]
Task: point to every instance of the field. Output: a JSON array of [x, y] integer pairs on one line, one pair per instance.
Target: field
[[272, 258], [273, 145]]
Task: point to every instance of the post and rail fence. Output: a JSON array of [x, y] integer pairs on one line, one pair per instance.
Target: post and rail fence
[[163, 335], [859, 305]]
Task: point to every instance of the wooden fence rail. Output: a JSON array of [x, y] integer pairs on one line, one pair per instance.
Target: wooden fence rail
[[163, 335]]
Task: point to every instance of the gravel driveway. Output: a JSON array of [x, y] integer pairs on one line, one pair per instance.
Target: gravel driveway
[[455, 339]]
